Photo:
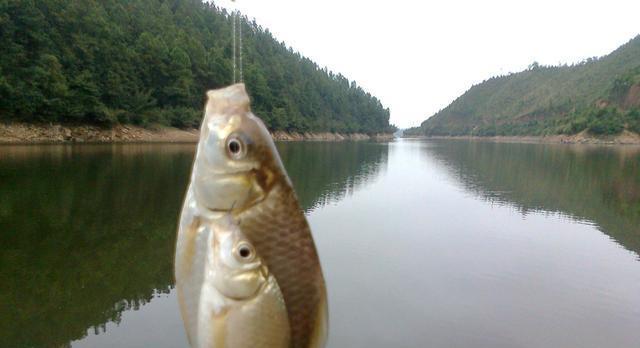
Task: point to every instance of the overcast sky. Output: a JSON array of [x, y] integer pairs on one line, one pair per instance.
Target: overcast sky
[[418, 56]]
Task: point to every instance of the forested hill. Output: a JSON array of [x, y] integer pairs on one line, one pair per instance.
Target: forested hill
[[150, 61], [600, 96]]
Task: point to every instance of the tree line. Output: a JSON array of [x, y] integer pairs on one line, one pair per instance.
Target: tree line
[[148, 62]]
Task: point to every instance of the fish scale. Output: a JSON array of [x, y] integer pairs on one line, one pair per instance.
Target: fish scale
[[278, 229]]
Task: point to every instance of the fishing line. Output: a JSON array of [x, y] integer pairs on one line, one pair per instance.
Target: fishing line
[[233, 43], [236, 30], [240, 45]]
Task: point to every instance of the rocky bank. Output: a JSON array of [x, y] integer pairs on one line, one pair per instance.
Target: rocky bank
[[624, 138], [20, 133]]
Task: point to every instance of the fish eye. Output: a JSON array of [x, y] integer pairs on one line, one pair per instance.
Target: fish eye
[[236, 147], [245, 252]]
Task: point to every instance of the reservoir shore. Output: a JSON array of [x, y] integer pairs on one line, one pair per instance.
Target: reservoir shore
[[624, 138], [23, 133], [26, 133]]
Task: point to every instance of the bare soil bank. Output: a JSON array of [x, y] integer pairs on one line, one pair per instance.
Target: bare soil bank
[[294, 136], [19, 133], [624, 138]]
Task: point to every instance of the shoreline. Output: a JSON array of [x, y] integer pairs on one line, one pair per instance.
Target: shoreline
[[24, 133], [328, 136], [583, 138]]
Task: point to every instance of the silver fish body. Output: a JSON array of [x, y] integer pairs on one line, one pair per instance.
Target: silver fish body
[[247, 271]]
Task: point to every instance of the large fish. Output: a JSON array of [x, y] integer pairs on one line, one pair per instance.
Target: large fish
[[247, 270]]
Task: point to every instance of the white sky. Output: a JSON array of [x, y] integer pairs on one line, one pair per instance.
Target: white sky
[[418, 56]]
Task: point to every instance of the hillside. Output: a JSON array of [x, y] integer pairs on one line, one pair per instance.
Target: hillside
[[149, 62], [600, 96]]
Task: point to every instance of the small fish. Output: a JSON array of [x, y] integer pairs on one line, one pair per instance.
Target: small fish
[[247, 271]]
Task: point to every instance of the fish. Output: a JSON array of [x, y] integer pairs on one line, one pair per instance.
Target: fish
[[247, 269]]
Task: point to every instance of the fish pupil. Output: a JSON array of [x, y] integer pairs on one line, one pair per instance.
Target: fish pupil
[[234, 147], [244, 252]]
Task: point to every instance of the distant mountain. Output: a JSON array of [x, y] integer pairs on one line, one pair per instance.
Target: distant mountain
[[600, 96], [151, 61]]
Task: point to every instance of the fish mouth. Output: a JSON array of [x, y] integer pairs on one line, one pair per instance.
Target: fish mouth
[[219, 210], [254, 194], [263, 283]]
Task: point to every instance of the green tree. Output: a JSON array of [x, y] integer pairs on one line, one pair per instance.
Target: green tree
[[150, 61]]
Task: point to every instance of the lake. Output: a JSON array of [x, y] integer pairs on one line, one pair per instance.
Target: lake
[[424, 243]]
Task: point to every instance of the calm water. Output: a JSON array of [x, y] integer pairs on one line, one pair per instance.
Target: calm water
[[423, 243]]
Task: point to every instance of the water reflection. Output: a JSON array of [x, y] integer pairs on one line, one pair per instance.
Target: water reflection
[[325, 172], [87, 232], [439, 244], [593, 183], [431, 255]]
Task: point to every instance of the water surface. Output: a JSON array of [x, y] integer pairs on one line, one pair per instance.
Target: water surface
[[423, 243]]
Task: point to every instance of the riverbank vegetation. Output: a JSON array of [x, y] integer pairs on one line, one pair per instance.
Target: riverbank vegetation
[[148, 62], [600, 96]]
